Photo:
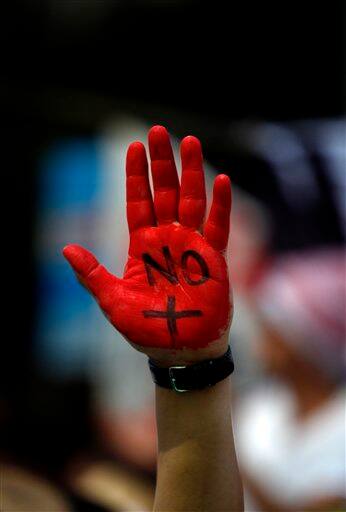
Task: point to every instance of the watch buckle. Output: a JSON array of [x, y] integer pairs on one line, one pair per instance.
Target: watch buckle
[[172, 378]]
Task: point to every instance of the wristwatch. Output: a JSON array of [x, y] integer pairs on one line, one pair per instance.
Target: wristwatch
[[200, 375]]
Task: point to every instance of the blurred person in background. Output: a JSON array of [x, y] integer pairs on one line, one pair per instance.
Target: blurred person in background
[[291, 429]]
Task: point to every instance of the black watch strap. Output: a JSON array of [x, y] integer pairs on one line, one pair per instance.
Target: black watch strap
[[196, 376]]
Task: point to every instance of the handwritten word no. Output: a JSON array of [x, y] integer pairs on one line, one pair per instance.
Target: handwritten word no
[[169, 272]]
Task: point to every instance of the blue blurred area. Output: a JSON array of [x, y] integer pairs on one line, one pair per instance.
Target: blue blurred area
[[69, 175], [68, 189]]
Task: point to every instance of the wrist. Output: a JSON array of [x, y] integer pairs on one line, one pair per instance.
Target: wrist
[[206, 409], [166, 358]]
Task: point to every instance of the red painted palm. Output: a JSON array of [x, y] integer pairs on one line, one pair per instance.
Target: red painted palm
[[175, 291]]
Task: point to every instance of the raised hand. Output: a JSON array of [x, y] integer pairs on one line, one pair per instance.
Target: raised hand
[[173, 301]]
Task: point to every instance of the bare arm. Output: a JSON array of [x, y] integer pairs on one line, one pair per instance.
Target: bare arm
[[174, 303], [197, 465]]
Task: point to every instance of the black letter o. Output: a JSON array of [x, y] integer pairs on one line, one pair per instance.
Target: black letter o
[[202, 264]]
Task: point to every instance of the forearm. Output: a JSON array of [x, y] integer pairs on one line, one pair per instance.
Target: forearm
[[197, 466]]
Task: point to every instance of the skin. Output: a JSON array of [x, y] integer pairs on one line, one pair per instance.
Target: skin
[[176, 267], [197, 466]]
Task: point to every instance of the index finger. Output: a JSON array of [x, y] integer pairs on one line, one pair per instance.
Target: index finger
[[139, 203]]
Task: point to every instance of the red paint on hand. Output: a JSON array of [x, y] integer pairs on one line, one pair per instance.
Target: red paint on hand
[[175, 291]]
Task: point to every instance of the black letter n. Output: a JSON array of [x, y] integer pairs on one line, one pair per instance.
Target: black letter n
[[169, 273]]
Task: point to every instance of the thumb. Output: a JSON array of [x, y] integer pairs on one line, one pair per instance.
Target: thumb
[[95, 277]]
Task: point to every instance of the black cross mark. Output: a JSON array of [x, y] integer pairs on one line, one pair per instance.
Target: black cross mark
[[171, 314]]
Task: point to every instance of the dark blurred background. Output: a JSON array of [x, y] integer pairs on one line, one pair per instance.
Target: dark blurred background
[[262, 85]]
